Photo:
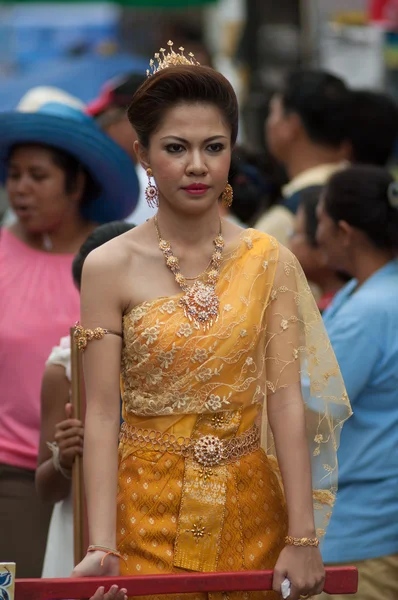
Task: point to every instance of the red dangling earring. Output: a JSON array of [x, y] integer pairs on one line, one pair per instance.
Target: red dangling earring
[[151, 191]]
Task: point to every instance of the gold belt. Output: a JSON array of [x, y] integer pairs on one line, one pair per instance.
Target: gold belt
[[208, 450]]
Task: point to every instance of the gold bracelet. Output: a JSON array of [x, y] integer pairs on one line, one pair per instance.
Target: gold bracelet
[[301, 542], [108, 552]]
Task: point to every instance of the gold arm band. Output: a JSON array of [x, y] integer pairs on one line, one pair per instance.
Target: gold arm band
[[83, 336], [301, 542]]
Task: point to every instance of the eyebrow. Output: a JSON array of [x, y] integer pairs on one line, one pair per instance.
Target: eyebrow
[[210, 139]]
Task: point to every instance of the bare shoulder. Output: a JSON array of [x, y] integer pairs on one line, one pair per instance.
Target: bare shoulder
[[285, 255], [111, 273]]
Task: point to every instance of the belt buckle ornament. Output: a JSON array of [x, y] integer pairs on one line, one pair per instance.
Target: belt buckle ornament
[[208, 451]]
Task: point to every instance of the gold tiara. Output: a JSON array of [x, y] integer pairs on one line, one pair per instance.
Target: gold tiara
[[171, 59]]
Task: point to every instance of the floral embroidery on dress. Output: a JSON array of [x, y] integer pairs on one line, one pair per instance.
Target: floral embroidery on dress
[[153, 376], [139, 352], [138, 312], [215, 402], [185, 330], [166, 359], [200, 355], [151, 334], [206, 374], [181, 400], [168, 307]]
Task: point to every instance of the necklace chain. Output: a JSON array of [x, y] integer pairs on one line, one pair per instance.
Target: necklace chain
[[201, 274], [172, 262], [200, 302]]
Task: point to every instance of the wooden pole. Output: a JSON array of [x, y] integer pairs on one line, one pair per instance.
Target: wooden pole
[[79, 517]]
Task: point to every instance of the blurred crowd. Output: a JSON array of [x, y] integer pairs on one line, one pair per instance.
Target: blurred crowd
[[324, 186]]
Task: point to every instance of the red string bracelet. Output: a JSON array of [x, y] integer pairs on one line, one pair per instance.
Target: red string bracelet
[[108, 552]]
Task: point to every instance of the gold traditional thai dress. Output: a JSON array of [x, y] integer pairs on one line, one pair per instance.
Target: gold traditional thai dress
[[197, 490]]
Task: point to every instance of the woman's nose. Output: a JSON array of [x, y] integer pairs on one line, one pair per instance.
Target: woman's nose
[[197, 164]]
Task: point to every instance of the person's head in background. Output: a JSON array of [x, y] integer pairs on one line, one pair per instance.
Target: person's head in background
[[250, 188], [47, 187], [101, 235], [110, 110], [304, 245], [358, 220], [373, 127], [307, 122]]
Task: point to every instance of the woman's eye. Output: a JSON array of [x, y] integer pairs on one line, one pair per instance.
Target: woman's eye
[[215, 147], [174, 148]]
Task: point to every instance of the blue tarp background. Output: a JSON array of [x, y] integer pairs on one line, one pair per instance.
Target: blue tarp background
[[81, 77]]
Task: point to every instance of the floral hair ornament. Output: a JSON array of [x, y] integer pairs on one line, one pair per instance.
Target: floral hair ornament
[[392, 194], [171, 59]]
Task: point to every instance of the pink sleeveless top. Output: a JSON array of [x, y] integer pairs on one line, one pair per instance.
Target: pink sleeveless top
[[38, 305]]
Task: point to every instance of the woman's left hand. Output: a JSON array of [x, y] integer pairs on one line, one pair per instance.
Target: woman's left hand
[[303, 567]]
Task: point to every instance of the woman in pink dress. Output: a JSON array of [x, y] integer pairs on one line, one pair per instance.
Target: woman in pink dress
[[62, 176]]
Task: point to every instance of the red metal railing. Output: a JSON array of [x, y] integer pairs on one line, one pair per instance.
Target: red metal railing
[[338, 581]]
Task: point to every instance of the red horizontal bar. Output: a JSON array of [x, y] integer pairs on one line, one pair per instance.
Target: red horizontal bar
[[338, 581]]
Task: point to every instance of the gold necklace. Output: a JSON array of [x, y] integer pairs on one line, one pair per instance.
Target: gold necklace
[[200, 302]]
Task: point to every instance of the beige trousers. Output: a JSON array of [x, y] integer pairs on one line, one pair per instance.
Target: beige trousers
[[378, 580]]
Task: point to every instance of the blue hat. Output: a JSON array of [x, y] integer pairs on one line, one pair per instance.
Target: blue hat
[[67, 128]]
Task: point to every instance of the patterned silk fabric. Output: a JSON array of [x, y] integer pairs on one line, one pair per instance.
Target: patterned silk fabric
[[174, 515]]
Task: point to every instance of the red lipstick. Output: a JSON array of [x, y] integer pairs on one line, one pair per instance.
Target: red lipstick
[[196, 189]]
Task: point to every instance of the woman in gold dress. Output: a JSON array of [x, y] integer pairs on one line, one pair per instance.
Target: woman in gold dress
[[213, 471]]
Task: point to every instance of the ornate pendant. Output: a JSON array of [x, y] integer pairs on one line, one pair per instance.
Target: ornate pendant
[[201, 305]]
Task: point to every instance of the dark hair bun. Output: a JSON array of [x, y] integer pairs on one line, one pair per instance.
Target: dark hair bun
[[362, 196]]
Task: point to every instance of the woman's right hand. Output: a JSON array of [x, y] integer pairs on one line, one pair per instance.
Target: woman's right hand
[[69, 437], [90, 566]]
